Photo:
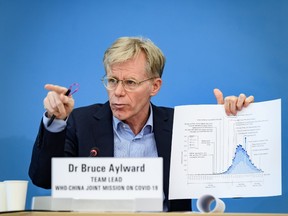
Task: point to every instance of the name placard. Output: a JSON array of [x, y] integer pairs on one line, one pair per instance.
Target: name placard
[[107, 178]]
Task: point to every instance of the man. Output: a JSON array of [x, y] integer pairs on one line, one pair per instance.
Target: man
[[126, 126]]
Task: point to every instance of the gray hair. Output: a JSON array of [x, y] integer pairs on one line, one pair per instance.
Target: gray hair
[[126, 48]]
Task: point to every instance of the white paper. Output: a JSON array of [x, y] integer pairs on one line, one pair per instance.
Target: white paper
[[226, 156]]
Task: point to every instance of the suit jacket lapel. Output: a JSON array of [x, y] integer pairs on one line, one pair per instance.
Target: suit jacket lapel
[[104, 136], [103, 131], [163, 124]]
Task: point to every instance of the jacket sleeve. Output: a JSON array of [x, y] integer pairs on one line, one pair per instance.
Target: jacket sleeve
[[46, 146]]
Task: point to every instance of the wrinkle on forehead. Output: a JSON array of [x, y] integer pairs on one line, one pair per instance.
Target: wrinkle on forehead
[[135, 67]]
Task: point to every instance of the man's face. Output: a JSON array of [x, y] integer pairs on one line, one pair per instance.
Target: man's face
[[132, 106]]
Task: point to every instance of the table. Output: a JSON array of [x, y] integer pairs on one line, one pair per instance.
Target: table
[[47, 213]]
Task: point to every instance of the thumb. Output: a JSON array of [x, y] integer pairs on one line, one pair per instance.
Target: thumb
[[219, 96]]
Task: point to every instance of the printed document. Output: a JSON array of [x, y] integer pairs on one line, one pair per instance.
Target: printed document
[[226, 156]]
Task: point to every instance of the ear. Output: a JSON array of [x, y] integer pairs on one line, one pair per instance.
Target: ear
[[156, 85]]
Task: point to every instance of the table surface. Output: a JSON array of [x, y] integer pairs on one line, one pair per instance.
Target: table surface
[[51, 213]]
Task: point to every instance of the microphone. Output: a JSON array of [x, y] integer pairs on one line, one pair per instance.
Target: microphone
[[94, 152]]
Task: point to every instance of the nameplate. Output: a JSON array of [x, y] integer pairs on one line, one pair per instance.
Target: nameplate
[[107, 178]]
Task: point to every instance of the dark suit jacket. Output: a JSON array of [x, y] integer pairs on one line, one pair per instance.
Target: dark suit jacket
[[89, 127]]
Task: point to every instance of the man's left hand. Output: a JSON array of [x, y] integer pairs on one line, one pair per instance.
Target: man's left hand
[[233, 104]]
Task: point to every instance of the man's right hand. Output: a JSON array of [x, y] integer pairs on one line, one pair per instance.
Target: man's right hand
[[57, 103]]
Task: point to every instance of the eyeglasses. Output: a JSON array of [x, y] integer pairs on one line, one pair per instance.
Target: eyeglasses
[[111, 83]]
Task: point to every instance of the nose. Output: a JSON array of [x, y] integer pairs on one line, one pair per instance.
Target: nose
[[119, 90]]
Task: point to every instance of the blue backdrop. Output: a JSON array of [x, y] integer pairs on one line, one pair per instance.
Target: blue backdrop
[[237, 46]]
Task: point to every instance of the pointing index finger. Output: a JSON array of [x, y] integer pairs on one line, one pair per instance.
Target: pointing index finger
[[56, 88]]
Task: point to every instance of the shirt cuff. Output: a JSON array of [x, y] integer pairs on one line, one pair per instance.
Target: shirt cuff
[[57, 125]]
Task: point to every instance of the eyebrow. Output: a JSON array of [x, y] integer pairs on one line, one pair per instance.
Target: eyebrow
[[129, 78]]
